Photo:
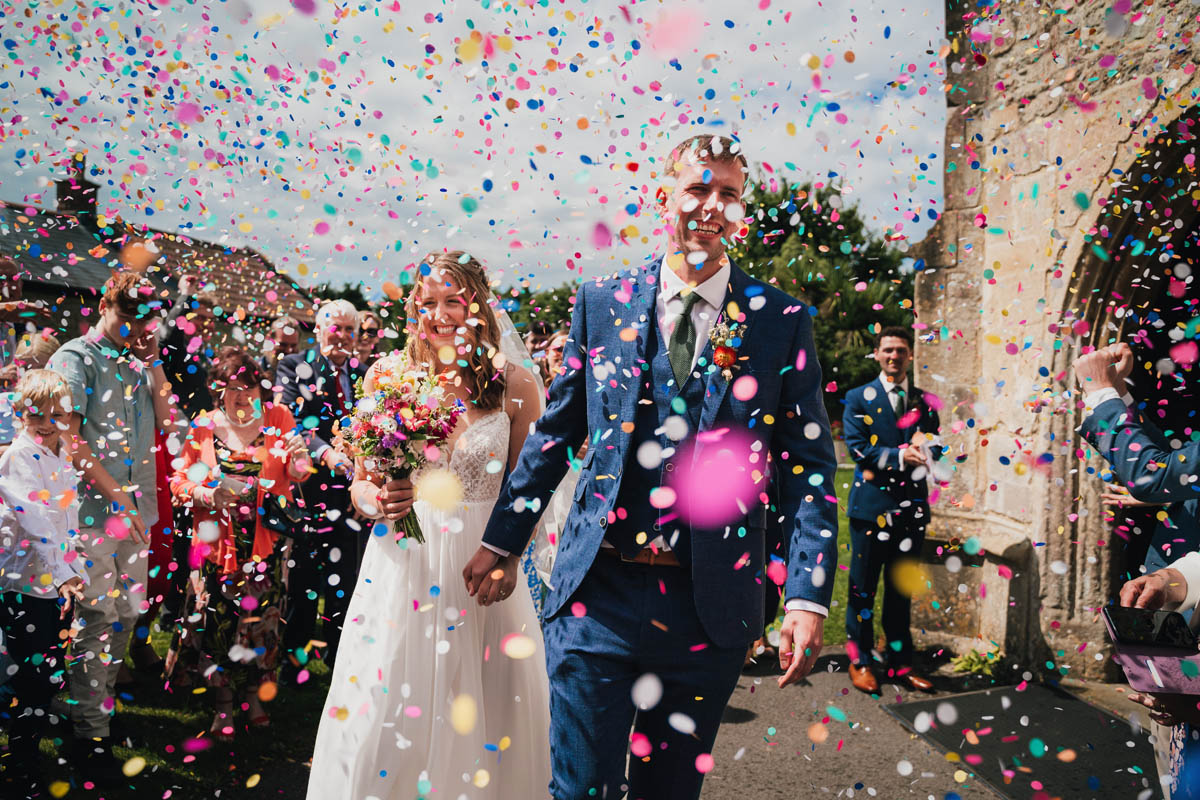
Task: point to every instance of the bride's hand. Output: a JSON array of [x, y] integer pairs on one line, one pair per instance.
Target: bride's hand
[[396, 498], [491, 577]]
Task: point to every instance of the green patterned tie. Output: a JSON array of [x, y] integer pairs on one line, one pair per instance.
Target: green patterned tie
[[683, 341]]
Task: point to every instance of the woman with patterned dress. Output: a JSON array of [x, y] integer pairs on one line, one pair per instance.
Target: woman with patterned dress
[[236, 460]]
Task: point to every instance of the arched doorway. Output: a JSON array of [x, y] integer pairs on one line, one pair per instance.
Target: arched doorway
[[1137, 281]]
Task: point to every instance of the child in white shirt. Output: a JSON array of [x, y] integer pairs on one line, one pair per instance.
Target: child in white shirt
[[41, 574]]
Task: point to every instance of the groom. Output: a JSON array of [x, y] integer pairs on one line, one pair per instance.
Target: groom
[[657, 594]]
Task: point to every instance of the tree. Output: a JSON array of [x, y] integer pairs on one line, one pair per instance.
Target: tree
[[353, 292], [812, 245], [552, 306]]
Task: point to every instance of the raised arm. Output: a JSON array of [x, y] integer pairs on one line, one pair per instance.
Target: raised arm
[[1152, 473]]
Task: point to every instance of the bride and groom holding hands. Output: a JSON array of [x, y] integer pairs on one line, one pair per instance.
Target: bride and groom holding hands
[[445, 686]]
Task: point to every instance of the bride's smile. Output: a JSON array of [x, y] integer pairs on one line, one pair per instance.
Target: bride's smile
[[444, 310]]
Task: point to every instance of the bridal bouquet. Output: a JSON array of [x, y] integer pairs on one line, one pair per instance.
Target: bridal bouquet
[[398, 427]]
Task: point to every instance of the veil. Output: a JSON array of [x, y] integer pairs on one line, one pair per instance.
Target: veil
[[554, 516]]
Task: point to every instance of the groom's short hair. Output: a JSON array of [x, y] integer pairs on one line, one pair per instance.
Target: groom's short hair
[[709, 148]]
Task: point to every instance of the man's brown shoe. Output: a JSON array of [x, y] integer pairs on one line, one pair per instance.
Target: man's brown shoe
[[917, 682], [863, 679]]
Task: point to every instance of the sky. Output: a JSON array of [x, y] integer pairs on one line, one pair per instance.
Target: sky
[[345, 141]]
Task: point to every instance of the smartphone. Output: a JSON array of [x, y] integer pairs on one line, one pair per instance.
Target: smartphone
[[1141, 626]]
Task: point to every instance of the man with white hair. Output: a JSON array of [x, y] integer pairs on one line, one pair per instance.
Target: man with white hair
[[318, 385]]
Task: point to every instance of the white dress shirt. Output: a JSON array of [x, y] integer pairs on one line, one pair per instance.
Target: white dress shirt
[[891, 388], [669, 304], [39, 519]]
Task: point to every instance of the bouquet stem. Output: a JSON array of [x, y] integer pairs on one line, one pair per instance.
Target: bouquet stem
[[408, 523], [412, 528]]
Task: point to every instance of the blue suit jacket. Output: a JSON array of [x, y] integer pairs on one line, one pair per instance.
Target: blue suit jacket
[[873, 436], [596, 397], [1131, 445]]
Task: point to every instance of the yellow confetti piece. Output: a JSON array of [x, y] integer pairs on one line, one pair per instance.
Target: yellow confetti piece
[[446, 354], [133, 766], [482, 779], [504, 743], [59, 788], [463, 713], [253, 780], [342, 714], [518, 646], [909, 577], [960, 776], [440, 488]]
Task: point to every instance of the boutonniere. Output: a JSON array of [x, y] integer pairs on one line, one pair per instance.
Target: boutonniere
[[723, 337]]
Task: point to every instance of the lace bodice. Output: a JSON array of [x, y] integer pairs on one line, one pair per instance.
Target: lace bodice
[[479, 457]]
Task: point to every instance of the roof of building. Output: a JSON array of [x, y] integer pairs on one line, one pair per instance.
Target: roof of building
[[60, 249], [53, 248]]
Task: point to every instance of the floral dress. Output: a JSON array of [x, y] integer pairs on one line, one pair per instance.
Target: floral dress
[[231, 633]]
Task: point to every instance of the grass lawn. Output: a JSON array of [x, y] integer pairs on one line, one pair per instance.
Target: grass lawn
[[168, 731]]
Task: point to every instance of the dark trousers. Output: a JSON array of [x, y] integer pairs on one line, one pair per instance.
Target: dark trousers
[[325, 566], [637, 626], [34, 637], [325, 562], [876, 549]]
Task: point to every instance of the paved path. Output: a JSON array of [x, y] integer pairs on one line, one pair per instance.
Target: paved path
[[764, 750]]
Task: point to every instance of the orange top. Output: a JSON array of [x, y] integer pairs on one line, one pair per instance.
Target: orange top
[[199, 448]]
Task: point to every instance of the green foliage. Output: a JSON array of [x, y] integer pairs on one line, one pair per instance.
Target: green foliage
[[813, 246], [977, 663], [552, 306]]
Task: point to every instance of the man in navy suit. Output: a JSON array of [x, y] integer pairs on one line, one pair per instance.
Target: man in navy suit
[[318, 386], [1141, 457], [650, 614], [888, 424]]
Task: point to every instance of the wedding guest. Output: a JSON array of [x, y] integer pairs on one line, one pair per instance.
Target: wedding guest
[[119, 396], [249, 455], [1135, 447], [186, 336], [18, 316], [282, 341], [318, 387], [370, 328], [41, 573], [889, 425], [32, 352], [554, 354], [1145, 463]]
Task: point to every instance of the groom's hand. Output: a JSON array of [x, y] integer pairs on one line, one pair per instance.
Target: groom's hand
[[800, 639], [479, 568]]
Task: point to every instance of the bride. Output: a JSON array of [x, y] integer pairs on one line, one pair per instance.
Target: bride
[[435, 694]]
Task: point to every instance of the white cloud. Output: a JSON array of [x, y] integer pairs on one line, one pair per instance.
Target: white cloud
[[383, 204]]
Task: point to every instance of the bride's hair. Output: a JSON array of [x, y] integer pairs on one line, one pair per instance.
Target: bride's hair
[[483, 380]]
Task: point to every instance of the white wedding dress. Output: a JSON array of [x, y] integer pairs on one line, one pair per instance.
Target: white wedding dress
[[432, 695]]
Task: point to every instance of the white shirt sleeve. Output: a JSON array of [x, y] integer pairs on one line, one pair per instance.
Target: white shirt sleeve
[[1189, 566], [806, 605], [496, 550], [1093, 399]]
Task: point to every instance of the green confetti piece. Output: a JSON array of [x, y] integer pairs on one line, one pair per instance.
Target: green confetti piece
[[1082, 201], [836, 713]]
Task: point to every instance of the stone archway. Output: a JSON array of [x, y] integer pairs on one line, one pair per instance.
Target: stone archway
[[1043, 146], [1136, 282]]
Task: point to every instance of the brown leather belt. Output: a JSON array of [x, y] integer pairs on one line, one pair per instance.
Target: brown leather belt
[[663, 558]]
